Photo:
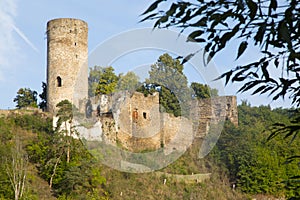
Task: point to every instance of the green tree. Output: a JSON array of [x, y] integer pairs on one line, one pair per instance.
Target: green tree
[[43, 97], [64, 124], [203, 91], [26, 98], [129, 81], [93, 80], [166, 76], [78, 178], [64, 113], [82, 180], [102, 80]]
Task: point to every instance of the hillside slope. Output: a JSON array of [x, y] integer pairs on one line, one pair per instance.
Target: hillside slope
[[241, 157]]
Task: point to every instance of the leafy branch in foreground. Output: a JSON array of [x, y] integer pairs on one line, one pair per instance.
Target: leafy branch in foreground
[[271, 25]]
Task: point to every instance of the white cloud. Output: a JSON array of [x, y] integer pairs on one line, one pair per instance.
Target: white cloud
[[9, 48], [8, 45]]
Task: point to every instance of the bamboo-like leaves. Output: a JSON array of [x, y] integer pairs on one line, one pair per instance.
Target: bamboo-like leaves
[[152, 7], [273, 6], [242, 48], [227, 76], [270, 28], [252, 8], [196, 36]]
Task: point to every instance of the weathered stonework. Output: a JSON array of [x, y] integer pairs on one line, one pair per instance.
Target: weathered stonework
[[213, 110], [67, 42], [125, 119], [134, 121]]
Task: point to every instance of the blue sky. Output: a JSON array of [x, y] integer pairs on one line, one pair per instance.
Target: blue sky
[[23, 41]]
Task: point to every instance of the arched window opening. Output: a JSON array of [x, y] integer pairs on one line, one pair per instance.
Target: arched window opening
[[59, 81], [135, 115], [228, 106]]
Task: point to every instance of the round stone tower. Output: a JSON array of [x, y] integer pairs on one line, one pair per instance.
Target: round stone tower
[[67, 70]]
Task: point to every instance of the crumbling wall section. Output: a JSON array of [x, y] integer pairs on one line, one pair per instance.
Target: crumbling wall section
[[134, 122], [214, 110]]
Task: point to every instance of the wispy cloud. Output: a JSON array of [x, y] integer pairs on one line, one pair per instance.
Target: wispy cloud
[[8, 46], [8, 43], [23, 36]]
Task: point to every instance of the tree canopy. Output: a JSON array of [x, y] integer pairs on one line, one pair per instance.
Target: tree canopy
[[26, 98], [271, 25], [65, 112], [129, 81], [102, 80], [43, 97], [253, 163], [166, 76], [203, 91]]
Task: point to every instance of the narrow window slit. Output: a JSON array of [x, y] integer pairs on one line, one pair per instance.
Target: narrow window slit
[[59, 81]]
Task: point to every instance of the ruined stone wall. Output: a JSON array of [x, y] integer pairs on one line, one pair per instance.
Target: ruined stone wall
[[129, 119], [99, 105], [67, 70], [214, 110], [173, 134], [134, 122], [137, 120], [139, 115]]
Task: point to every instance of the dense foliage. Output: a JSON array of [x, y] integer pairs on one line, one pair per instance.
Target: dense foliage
[[102, 80], [129, 81], [26, 98], [203, 91], [78, 178], [43, 97], [6, 134], [243, 154], [253, 163]]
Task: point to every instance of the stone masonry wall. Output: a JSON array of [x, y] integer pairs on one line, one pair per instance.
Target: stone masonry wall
[[134, 121], [214, 110], [67, 69]]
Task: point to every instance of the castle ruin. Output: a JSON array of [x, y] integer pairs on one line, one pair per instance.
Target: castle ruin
[[67, 53], [123, 118]]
